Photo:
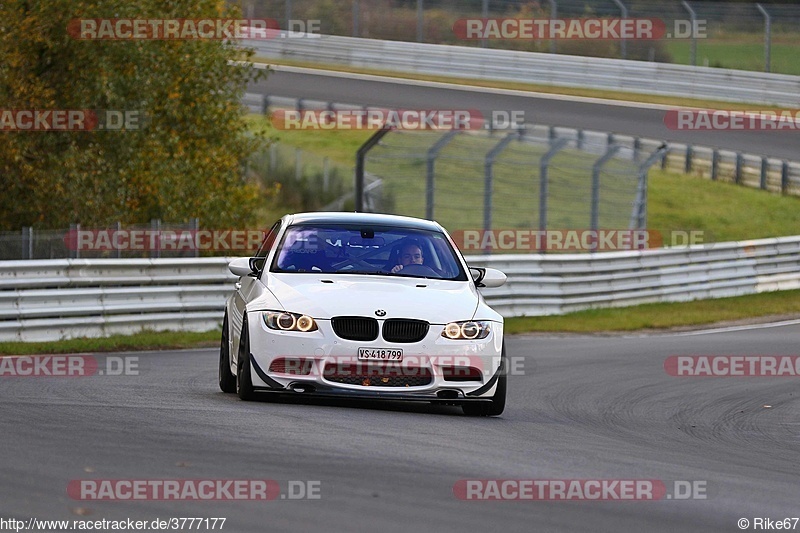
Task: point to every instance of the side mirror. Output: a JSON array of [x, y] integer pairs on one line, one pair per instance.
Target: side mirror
[[243, 266], [487, 277], [257, 264]]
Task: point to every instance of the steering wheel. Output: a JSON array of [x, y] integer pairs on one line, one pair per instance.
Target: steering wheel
[[418, 270]]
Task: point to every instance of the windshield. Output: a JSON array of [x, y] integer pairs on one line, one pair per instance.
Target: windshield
[[367, 249]]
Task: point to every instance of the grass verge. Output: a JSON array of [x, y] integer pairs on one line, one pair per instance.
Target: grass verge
[[741, 51], [145, 340], [663, 315]]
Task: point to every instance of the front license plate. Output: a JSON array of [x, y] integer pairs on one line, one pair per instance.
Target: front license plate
[[380, 354]]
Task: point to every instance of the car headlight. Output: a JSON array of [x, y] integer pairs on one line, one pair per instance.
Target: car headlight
[[467, 330], [284, 321]]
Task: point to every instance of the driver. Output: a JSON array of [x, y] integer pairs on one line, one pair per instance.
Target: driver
[[410, 254]]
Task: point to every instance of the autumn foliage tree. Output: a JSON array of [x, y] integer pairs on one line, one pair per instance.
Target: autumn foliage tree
[[186, 159]]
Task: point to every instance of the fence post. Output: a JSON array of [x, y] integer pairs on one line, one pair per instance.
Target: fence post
[[488, 170], [195, 224], [356, 18], [265, 105], [155, 227], [420, 22], [693, 19], [596, 168], [430, 165], [638, 218], [553, 16], [764, 165], [361, 155], [118, 227], [76, 253], [288, 12], [544, 178], [784, 177], [27, 242], [623, 49], [687, 165], [739, 162], [485, 15], [579, 140], [714, 164], [767, 36], [637, 147]]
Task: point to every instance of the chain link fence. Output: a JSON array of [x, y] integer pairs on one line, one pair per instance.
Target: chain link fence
[[538, 178], [112, 242]]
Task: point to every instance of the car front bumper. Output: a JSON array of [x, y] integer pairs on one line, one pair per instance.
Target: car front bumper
[[319, 363]]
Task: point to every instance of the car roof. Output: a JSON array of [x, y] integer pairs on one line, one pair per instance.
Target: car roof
[[332, 217]]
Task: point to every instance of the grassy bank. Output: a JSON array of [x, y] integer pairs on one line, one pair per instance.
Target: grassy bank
[[145, 340]]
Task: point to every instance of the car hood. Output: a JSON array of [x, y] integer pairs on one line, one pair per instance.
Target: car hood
[[325, 296]]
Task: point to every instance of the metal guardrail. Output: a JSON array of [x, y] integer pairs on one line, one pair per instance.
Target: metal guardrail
[[56, 299], [66, 298], [433, 22], [540, 68], [558, 284]]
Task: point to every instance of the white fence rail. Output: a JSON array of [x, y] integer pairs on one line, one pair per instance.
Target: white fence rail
[[531, 67], [57, 299], [557, 284], [65, 298]]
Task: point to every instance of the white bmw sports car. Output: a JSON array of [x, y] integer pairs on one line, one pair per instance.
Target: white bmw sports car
[[363, 305]]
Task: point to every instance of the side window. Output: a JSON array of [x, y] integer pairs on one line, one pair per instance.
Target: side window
[[266, 245]]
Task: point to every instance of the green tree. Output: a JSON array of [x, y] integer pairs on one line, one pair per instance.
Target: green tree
[[184, 161]]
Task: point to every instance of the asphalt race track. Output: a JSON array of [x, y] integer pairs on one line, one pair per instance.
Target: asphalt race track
[[580, 407], [642, 120]]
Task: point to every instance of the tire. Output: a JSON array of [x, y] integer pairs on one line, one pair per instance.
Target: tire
[[497, 405], [227, 381], [244, 383]]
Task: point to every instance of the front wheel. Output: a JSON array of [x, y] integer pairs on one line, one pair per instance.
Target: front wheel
[[244, 383], [227, 381], [497, 404]]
